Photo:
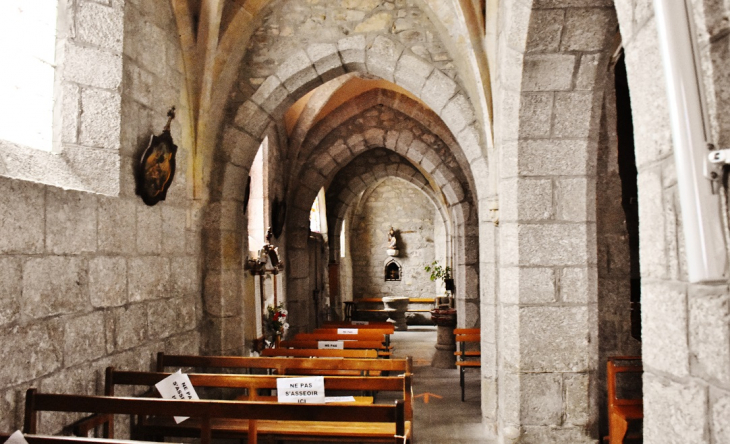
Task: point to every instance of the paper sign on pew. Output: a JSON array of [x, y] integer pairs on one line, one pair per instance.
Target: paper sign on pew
[[309, 390], [177, 386], [346, 331], [331, 345]]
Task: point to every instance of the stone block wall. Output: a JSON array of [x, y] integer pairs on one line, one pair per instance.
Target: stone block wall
[[686, 327], [393, 203], [540, 363], [89, 280]]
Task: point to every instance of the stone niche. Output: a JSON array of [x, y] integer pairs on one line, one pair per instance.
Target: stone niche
[[392, 270]]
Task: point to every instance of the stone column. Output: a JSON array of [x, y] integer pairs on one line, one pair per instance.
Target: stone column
[[445, 347], [547, 310]]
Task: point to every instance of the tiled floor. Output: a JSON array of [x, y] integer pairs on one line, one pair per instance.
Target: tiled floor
[[444, 419]]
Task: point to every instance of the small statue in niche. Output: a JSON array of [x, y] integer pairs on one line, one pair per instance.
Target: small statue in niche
[[392, 243]]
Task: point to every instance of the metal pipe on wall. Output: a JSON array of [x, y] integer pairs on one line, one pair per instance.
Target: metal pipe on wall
[[704, 241]]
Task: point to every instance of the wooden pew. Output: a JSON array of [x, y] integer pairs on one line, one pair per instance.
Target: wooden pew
[[283, 365], [238, 419], [318, 353], [468, 354], [255, 384], [57, 439], [383, 350], [359, 324], [322, 336], [387, 331], [622, 411]]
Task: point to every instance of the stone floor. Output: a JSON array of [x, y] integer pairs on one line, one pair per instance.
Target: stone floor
[[442, 418]]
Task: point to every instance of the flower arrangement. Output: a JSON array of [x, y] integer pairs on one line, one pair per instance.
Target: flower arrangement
[[275, 321]]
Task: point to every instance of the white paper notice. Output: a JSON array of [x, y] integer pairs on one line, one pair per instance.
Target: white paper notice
[[16, 438], [177, 386], [329, 399], [360, 322], [308, 390], [346, 331], [331, 345]]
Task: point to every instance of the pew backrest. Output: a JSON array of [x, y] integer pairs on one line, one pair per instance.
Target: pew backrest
[[209, 410], [319, 353], [322, 336], [355, 344], [281, 365], [401, 384]]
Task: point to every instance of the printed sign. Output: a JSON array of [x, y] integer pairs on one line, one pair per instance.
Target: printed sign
[[331, 345], [360, 322], [347, 331], [16, 438], [177, 386], [308, 390], [337, 399]]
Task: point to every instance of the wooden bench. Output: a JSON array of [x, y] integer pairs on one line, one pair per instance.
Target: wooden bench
[[283, 365], [468, 354], [386, 330], [383, 350], [56, 439], [255, 385], [319, 353], [622, 411], [357, 324], [238, 419], [329, 335]]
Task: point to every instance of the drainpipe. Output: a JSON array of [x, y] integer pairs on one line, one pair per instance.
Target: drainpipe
[[701, 220]]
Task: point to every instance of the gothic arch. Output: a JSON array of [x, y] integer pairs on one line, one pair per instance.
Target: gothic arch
[[551, 69], [253, 113]]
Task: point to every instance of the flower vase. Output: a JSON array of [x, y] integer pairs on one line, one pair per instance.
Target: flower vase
[[277, 340]]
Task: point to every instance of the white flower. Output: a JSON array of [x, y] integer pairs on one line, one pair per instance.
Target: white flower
[[284, 312], [285, 326]]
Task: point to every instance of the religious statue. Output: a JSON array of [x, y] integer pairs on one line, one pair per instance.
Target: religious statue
[[392, 243]]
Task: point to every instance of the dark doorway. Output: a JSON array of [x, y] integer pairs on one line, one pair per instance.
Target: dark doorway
[[629, 187]]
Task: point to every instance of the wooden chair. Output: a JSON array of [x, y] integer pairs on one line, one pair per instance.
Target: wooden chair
[[622, 411], [467, 354]]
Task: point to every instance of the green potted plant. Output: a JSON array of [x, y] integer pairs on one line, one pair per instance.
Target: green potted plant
[[443, 314]]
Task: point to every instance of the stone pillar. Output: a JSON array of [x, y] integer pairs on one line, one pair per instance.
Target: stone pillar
[[445, 347], [547, 309]]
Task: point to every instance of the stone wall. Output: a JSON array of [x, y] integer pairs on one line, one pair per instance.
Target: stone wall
[[685, 328], [87, 280], [394, 203], [540, 361]]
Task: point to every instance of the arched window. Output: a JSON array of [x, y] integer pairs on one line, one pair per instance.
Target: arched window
[[28, 52], [343, 240], [318, 214], [256, 210], [60, 95]]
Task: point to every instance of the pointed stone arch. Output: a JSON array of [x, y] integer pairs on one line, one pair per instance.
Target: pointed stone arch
[[255, 113]]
